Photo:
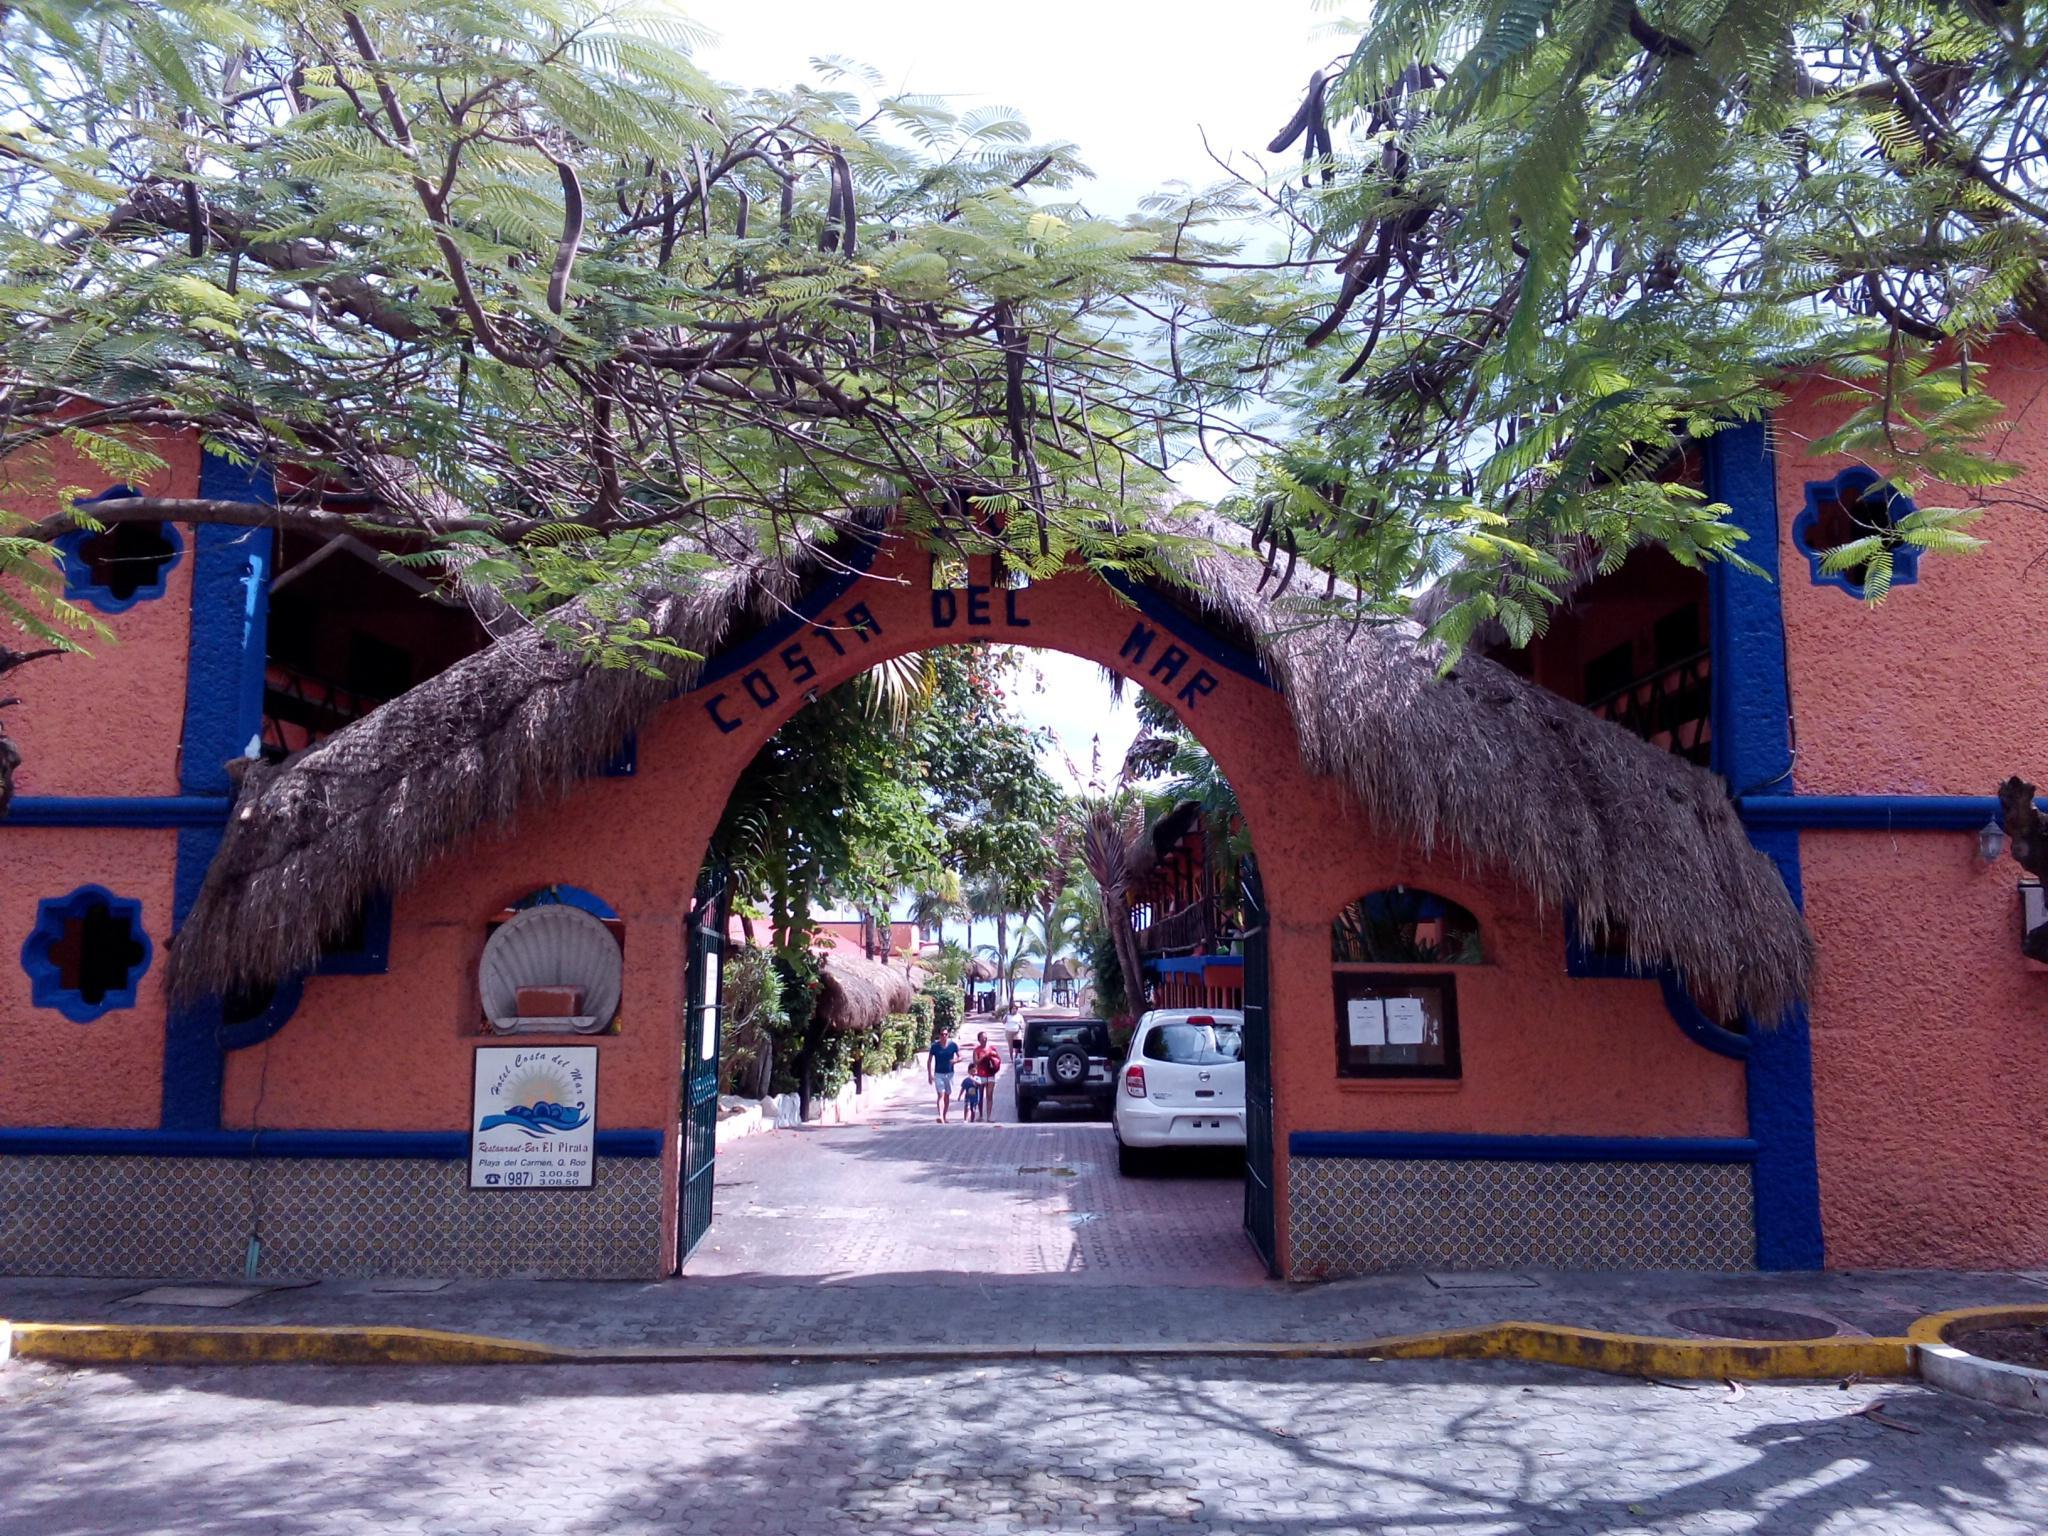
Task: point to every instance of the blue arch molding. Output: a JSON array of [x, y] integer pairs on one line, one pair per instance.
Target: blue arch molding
[[231, 573], [1752, 751], [1582, 960], [1852, 484], [78, 582], [46, 981], [275, 1013]]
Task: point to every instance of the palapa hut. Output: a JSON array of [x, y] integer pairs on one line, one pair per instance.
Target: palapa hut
[[1058, 980], [1510, 944], [856, 993]]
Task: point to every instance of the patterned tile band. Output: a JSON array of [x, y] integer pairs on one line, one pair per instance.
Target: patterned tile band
[[193, 1217], [1355, 1216]]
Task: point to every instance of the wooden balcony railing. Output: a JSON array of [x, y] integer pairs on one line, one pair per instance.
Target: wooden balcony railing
[[300, 709], [1670, 708], [1187, 931]]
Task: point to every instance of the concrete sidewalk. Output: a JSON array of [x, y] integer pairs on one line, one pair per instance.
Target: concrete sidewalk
[[1048, 1313]]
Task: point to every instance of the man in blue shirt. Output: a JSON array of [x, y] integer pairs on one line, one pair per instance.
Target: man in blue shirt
[[938, 1071]]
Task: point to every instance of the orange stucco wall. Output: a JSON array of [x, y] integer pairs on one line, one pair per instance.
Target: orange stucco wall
[[107, 1072], [1930, 1034], [1937, 690], [1542, 1053], [1930, 1046], [106, 722]]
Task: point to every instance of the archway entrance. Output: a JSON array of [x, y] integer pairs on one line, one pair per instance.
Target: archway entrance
[[1048, 1183]]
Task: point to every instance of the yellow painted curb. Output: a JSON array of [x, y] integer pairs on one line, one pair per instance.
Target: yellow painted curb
[[1616, 1354], [1933, 1329], [1635, 1354], [200, 1344]]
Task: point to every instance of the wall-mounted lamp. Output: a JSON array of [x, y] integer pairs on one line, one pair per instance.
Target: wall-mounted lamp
[[1991, 841]]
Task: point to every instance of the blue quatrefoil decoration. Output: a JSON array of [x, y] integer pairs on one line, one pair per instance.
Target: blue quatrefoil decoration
[[86, 954], [1852, 488], [128, 563]]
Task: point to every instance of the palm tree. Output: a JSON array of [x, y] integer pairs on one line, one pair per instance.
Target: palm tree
[[1050, 898], [932, 904], [987, 895], [1111, 829]]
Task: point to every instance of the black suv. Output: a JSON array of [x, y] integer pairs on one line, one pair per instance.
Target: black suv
[[1066, 1060]]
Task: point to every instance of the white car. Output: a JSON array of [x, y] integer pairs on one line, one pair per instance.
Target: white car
[[1182, 1084]]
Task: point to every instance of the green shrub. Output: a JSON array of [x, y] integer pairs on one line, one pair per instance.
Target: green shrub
[[945, 1002]]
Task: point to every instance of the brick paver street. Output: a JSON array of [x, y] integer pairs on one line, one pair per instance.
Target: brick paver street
[[901, 1195], [1255, 1448]]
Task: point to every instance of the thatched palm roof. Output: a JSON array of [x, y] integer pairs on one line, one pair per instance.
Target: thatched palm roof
[[981, 968], [1476, 765], [855, 992], [1061, 969]]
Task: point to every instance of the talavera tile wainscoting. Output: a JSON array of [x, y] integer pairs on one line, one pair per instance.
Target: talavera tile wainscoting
[[193, 1217], [1356, 1216]]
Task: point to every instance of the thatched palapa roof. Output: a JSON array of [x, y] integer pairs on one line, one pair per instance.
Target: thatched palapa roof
[[1476, 766], [855, 992]]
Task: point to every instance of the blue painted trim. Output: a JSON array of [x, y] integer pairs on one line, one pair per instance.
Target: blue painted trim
[[230, 618], [1698, 1028], [1189, 965], [46, 981], [78, 583], [568, 896], [1875, 813], [284, 1002], [1752, 751], [810, 608], [1591, 964], [232, 569], [1189, 630], [117, 811], [373, 956], [1905, 557], [1585, 963], [1752, 738], [447, 1146], [1438, 1146]]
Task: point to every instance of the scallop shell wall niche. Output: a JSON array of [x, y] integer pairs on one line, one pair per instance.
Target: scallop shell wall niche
[[551, 946]]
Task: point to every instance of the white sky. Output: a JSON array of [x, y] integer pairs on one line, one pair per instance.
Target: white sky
[[1135, 84]]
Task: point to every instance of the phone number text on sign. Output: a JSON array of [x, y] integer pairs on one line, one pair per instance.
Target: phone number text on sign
[[533, 1118]]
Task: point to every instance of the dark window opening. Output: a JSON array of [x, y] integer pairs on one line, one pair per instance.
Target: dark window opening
[[1676, 636], [1610, 672], [349, 630], [378, 668], [127, 558], [97, 952], [1405, 926]]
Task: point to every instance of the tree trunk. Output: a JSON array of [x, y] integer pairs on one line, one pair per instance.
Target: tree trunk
[[1004, 980]]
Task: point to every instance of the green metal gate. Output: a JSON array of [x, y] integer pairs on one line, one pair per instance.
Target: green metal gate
[[1258, 1075], [703, 1013]]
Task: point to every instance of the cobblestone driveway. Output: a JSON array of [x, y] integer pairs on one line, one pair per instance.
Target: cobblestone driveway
[[900, 1195], [1262, 1449]]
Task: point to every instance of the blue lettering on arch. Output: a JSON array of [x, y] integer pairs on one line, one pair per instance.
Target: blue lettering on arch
[[1168, 666]]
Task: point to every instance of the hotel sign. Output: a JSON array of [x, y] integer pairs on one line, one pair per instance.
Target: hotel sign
[[533, 1117]]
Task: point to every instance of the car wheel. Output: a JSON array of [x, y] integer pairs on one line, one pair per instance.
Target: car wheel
[[1027, 1106], [1131, 1162], [1068, 1067]]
